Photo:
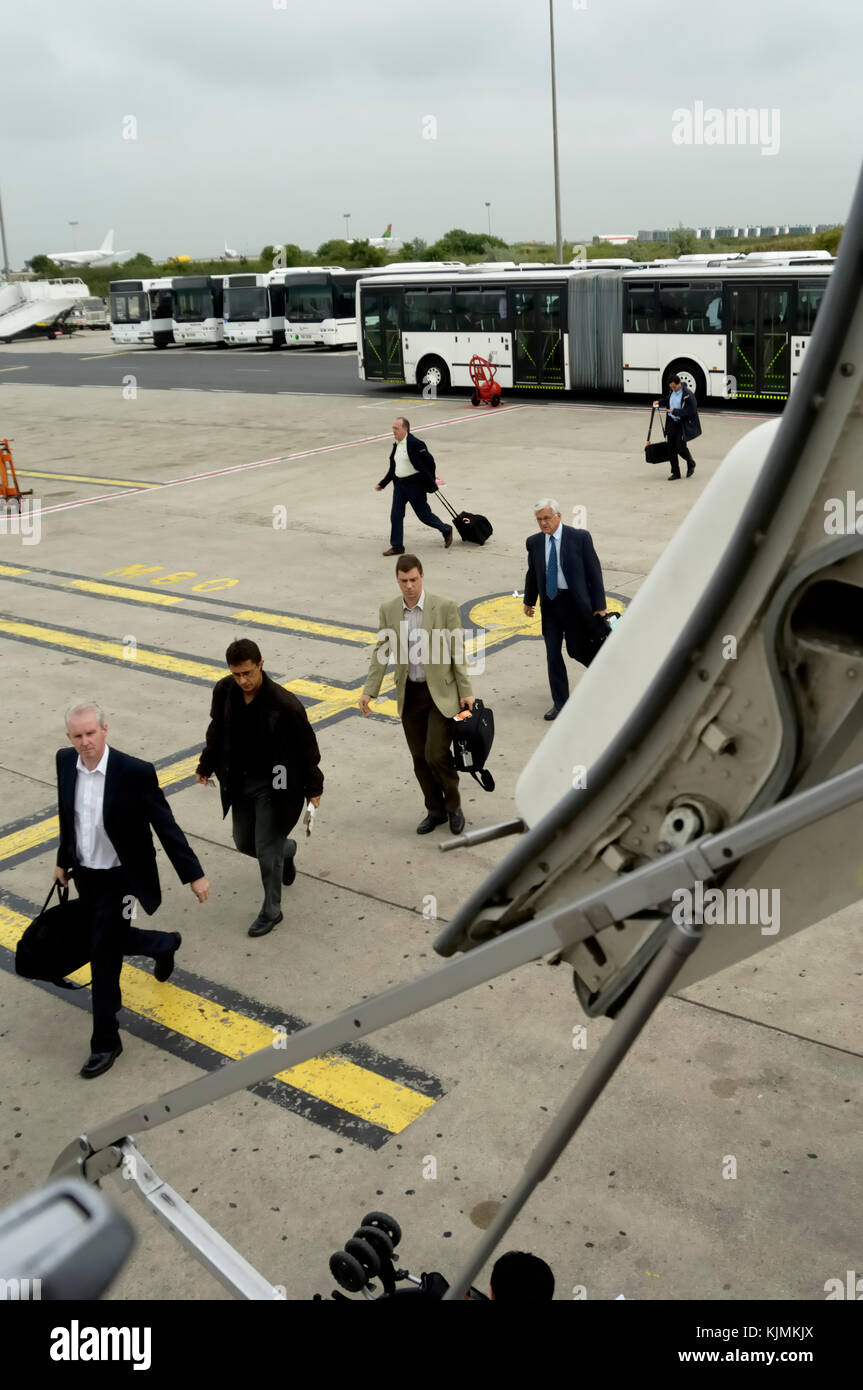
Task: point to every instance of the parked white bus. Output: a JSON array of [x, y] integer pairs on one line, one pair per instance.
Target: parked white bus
[[142, 311], [255, 304], [727, 330], [320, 307], [198, 309]]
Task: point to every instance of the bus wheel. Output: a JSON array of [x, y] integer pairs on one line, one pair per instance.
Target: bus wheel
[[690, 375], [434, 373], [161, 340]]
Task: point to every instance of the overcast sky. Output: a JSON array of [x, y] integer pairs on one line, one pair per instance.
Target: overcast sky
[[266, 120]]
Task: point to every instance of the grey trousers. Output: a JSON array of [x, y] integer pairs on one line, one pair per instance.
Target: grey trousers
[[256, 817]]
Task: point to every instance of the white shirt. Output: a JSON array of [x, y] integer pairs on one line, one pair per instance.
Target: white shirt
[[404, 467], [555, 538], [413, 622], [94, 849]]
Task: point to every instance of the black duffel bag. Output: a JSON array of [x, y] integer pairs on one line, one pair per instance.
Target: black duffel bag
[[473, 735], [56, 943], [471, 526], [660, 451]]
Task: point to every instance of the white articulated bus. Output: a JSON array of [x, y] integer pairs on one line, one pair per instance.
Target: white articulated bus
[[736, 330], [198, 309], [254, 305], [142, 311]]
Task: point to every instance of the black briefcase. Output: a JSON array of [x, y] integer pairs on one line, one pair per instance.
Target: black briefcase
[[471, 526], [55, 943], [473, 735], [658, 452]]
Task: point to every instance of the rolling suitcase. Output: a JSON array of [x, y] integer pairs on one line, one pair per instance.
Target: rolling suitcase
[[471, 526]]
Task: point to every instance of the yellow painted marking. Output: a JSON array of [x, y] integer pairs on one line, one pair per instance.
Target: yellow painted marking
[[331, 1078], [14, 369], [21, 840], [345, 634], [85, 478], [10, 569], [109, 356], [89, 586], [97, 646]]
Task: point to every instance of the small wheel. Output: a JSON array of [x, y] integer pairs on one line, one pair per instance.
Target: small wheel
[[365, 1255], [495, 400], [385, 1223], [474, 400], [347, 1272], [377, 1239]]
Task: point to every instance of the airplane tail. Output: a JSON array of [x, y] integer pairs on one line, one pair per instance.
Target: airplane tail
[[389, 230], [108, 244]]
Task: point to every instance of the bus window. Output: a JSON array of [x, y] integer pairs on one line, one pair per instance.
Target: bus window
[[809, 297], [429, 311], [690, 308], [308, 303], [478, 310], [640, 316]]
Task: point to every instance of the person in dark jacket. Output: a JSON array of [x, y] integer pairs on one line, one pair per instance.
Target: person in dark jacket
[[564, 572], [681, 425], [412, 474], [263, 750], [109, 803]]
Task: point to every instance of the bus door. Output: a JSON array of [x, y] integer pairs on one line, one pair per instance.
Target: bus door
[[538, 338], [759, 344], [381, 336]]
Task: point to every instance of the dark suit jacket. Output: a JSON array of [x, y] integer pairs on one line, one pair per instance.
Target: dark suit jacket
[[420, 458], [133, 804], [581, 570], [292, 746], [690, 425]]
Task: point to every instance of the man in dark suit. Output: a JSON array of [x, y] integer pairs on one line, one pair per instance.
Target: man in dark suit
[[263, 750], [412, 474], [564, 573], [681, 425], [109, 802]]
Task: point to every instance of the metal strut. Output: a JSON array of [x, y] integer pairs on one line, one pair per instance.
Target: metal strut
[[700, 861]]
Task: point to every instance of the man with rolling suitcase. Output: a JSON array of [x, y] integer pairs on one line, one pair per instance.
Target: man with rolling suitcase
[[681, 425], [412, 474]]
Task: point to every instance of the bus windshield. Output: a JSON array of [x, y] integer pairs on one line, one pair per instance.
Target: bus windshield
[[192, 305], [246, 304], [306, 303]]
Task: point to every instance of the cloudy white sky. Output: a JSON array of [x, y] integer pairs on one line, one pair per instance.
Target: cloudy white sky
[[266, 120]]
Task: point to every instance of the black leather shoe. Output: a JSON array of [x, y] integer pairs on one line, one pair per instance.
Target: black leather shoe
[[98, 1062], [673, 478], [163, 967], [431, 822], [394, 550], [66, 984], [289, 868], [456, 822], [551, 713], [259, 928], [690, 470]]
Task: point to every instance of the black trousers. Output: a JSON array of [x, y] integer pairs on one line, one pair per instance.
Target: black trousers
[[411, 490], [103, 936], [429, 737], [562, 622], [258, 824], [677, 445]]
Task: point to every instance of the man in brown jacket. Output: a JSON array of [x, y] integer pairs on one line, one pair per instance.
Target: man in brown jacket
[[263, 750]]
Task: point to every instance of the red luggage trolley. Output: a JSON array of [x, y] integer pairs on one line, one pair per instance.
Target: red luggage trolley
[[485, 388]]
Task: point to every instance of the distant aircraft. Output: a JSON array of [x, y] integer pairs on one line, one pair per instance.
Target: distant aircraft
[[105, 253], [230, 254], [387, 241]]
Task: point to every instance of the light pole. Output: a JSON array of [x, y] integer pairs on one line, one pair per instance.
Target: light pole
[[347, 217], [3, 239], [488, 210], [558, 236], [74, 237]]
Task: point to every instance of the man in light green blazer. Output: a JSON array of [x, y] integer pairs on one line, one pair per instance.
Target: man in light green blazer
[[422, 633]]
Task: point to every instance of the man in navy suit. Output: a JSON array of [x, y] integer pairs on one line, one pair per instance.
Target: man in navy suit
[[564, 573], [108, 802], [412, 474]]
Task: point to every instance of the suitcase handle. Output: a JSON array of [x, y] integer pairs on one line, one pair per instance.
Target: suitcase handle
[[450, 508], [650, 426]]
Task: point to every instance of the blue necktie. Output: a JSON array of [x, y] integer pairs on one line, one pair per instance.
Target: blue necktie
[[551, 571]]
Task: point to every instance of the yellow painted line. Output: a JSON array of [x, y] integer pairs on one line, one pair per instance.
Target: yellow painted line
[[282, 620], [14, 369], [102, 356], [89, 586], [97, 646], [21, 840], [330, 1078], [10, 569], [85, 478]]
